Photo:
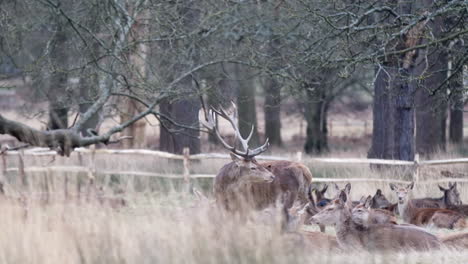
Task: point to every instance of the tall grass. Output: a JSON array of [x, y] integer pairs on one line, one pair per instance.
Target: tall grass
[[163, 223]]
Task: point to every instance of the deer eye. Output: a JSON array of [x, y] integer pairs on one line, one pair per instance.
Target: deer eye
[[253, 168]]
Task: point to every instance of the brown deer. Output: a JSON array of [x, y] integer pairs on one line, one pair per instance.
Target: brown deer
[[247, 184], [352, 235], [322, 201], [453, 202], [456, 241], [442, 218], [451, 196], [347, 190], [365, 215], [379, 201], [297, 215]]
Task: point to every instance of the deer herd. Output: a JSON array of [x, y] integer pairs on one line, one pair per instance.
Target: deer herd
[[245, 185]]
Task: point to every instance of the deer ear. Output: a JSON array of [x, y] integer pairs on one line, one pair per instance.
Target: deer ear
[[362, 200], [235, 158], [393, 187], [379, 192], [368, 202], [347, 188], [452, 186], [336, 187], [411, 185], [442, 188], [325, 187], [343, 197]]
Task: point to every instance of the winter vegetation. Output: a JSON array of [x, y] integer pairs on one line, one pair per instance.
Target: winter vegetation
[[294, 80]]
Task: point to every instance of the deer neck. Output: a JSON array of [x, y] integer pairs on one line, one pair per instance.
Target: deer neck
[[347, 232], [406, 209]]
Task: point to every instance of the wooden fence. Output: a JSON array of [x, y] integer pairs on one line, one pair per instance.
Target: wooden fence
[[91, 153]]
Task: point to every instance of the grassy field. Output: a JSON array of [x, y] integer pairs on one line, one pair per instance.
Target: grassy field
[[162, 223]]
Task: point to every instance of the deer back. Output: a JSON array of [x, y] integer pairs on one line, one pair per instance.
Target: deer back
[[456, 241], [400, 238]]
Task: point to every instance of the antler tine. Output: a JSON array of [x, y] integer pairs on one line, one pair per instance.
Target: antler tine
[[232, 119], [211, 125], [260, 149]]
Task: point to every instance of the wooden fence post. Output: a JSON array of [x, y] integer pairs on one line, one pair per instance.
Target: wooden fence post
[[416, 168], [21, 168], [3, 171], [91, 172], [186, 153], [299, 156]]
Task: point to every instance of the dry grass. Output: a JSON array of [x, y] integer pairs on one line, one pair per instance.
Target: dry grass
[[164, 224]]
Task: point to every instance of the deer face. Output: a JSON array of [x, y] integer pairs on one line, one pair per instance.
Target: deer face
[[331, 214], [379, 200], [251, 171], [451, 194], [360, 213], [402, 192]]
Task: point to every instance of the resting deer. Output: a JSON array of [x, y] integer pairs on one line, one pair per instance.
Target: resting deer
[[456, 241], [347, 190], [379, 201], [322, 201], [354, 235], [244, 183], [442, 218], [451, 196], [365, 215], [454, 203]]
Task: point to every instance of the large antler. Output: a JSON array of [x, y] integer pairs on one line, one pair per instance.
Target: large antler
[[232, 119]]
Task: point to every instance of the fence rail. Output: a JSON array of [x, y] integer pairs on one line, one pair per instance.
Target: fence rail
[[186, 158]]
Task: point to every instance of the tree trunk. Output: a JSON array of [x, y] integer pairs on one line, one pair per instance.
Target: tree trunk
[[393, 113], [272, 109], [86, 96], [431, 110], [137, 72], [173, 138], [394, 95], [246, 106], [58, 103], [456, 104], [316, 109]]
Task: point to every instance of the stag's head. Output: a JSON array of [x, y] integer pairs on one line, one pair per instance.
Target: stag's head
[[403, 192], [244, 160], [250, 171], [451, 195]]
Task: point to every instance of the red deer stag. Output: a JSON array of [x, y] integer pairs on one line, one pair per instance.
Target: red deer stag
[[442, 218], [353, 235], [245, 183]]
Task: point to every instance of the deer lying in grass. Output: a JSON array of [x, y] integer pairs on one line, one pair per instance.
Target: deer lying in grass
[[347, 190], [451, 197], [365, 215], [316, 240], [322, 201], [246, 184], [442, 218], [454, 203], [455, 241], [352, 235], [379, 201]]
